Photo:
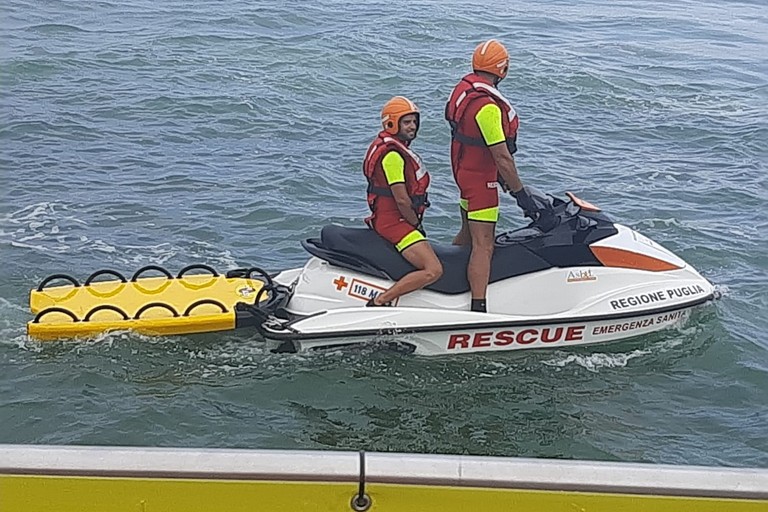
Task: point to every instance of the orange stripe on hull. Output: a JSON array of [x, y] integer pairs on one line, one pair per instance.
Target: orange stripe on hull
[[612, 257]]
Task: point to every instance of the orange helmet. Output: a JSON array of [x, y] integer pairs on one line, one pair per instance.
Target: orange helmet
[[491, 57], [394, 110]]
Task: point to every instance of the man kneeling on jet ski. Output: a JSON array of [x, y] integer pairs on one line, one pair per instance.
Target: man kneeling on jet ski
[[397, 196]]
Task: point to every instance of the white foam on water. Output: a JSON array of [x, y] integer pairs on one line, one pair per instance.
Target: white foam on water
[[13, 331], [23, 342], [40, 215], [58, 249], [99, 245], [723, 290], [233, 358], [6, 304], [215, 256], [594, 362], [652, 223], [43, 223], [137, 255], [47, 227], [34, 236]]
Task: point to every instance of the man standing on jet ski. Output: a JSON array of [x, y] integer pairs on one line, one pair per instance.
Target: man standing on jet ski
[[397, 196], [484, 140]]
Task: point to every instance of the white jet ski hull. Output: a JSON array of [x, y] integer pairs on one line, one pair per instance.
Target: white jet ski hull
[[481, 335], [585, 281], [431, 323]]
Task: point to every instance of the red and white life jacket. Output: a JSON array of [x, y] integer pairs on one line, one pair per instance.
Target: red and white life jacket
[[416, 176], [468, 148]]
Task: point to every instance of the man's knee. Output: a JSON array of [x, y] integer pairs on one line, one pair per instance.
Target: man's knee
[[434, 272]]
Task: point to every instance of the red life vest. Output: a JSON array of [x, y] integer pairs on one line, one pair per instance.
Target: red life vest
[[380, 196], [468, 149]]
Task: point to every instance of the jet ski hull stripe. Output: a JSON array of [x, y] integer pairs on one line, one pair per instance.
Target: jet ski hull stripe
[[613, 257]]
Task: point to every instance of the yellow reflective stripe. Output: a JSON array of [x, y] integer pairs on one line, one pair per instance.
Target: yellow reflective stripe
[[409, 239], [488, 120], [394, 167], [485, 215], [464, 204]]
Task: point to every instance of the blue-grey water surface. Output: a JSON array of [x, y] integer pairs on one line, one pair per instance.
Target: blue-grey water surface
[[178, 132]]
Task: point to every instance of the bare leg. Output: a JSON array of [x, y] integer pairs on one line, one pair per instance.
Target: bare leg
[[423, 257], [463, 237], [479, 267]]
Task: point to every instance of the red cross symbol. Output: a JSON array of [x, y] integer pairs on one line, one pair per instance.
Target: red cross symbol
[[340, 283]]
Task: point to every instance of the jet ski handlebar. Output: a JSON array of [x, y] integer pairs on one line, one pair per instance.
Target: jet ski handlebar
[[552, 212]]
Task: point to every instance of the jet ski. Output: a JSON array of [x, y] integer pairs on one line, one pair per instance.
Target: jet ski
[[572, 277]]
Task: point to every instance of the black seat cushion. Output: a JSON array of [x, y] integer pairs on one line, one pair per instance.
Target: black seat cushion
[[363, 250]]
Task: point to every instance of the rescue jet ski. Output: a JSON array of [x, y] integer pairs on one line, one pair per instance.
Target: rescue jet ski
[[572, 277]]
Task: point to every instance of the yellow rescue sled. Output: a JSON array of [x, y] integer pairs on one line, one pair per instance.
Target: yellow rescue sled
[[158, 305]]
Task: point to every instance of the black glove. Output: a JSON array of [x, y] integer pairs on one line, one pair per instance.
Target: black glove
[[526, 203]]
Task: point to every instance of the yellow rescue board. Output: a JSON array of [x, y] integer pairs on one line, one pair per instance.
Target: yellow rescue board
[[155, 306]]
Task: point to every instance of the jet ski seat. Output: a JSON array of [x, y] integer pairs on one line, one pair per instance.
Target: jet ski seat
[[362, 250]]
